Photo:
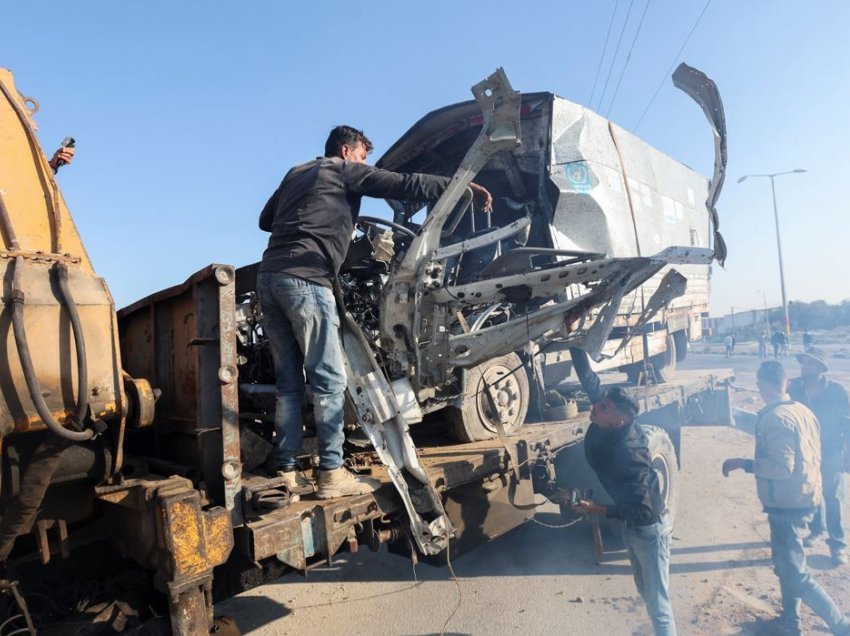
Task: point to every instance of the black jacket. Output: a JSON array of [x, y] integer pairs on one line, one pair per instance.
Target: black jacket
[[620, 458], [311, 214]]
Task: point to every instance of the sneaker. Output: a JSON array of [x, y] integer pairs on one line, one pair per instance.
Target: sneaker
[[296, 482], [341, 483], [839, 557], [812, 540]]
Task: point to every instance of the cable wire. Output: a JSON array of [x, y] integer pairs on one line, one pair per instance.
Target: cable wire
[[456, 582], [628, 58], [673, 64], [616, 51], [604, 50]]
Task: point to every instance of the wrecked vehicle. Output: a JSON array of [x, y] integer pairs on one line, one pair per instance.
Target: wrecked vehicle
[[441, 316], [578, 188], [135, 441]]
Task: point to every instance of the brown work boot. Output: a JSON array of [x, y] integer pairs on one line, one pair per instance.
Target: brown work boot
[[296, 482], [341, 483]]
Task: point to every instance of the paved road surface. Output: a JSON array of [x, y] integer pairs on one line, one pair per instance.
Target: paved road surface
[[537, 580]]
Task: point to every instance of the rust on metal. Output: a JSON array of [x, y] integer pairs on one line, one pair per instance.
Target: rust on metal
[[228, 375]]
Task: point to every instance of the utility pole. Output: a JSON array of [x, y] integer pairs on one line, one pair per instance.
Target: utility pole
[[778, 241]]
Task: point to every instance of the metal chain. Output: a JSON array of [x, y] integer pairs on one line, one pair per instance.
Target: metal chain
[[560, 525]]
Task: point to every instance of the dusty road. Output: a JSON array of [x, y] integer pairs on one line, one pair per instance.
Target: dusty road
[[539, 580]]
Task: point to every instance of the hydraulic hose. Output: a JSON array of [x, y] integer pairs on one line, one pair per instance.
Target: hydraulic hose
[[79, 342], [17, 302], [8, 228]]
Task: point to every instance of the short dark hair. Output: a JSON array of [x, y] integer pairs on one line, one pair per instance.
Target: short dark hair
[[771, 372], [621, 400], [342, 135]]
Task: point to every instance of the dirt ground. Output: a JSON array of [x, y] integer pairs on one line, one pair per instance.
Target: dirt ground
[[541, 580]]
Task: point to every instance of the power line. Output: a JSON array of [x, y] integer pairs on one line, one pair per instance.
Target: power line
[[628, 58], [604, 49], [670, 70], [616, 50]]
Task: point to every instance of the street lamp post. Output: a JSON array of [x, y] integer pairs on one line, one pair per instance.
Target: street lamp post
[[778, 241]]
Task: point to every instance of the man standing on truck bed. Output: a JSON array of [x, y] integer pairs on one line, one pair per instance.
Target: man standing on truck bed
[[786, 466], [617, 450], [829, 402], [311, 218]]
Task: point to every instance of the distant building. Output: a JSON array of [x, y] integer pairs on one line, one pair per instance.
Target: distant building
[[740, 320]]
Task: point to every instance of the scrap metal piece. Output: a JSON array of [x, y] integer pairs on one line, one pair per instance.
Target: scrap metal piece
[[705, 93], [672, 286], [537, 284], [613, 278], [497, 234], [501, 130], [381, 417]]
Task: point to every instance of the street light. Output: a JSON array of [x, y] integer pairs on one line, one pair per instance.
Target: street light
[[778, 242]]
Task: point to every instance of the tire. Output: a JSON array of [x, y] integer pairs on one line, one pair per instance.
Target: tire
[[573, 470], [633, 372], [681, 340], [473, 420], [664, 364], [663, 457]]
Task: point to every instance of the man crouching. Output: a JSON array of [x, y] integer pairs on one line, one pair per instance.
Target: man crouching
[[617, 450], [788, 480]]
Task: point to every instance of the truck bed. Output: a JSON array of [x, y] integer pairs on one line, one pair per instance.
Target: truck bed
[[309, 532]]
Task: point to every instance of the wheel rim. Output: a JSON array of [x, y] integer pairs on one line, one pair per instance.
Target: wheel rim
[[507, 396]]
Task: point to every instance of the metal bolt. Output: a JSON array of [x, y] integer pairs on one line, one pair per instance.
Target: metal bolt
[[224, 274], [227, 373], [229, 470]]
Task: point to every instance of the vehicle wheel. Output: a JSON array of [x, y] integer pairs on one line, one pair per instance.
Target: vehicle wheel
[[474, 419], [681, 339], [663, 457], [633, 372], [664, 364]]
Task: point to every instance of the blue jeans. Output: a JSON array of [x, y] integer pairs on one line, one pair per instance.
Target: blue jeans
[[302, 324], [787, 528], [829, 515], [649, 553]]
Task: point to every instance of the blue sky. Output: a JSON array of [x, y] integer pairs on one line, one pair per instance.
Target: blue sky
[[187, 114]]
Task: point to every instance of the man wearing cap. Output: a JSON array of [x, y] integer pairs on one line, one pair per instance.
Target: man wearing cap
[[829, 402], [786, 465]]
